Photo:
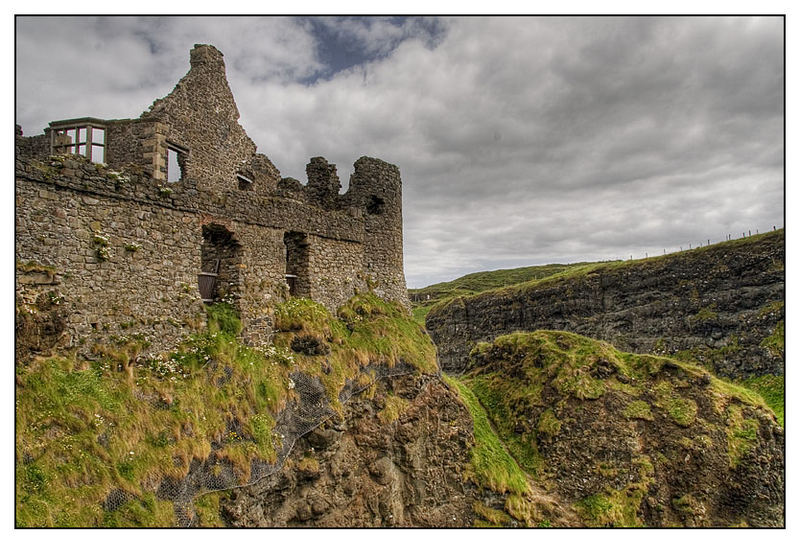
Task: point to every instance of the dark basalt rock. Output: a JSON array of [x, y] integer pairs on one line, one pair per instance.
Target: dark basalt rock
[[716, 304]]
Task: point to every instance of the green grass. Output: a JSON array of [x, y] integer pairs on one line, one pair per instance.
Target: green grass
[[122, 422], [207, 509], [618, 508], [419, 313], [771, 389], [638, 410], [681, 410], [394, 406], [549, 425], [474, 283], [742, 434], [492, 466]]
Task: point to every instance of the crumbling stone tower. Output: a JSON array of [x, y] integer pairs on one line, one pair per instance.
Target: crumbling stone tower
[[138, 222]]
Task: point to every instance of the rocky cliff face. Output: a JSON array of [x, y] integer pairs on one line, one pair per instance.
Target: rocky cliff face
[[721, 306], [631, 440], [397, 458]]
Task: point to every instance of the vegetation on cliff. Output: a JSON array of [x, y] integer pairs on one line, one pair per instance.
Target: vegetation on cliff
[[624, 439], [720, 307], [513, 279], [424, 299], [95, 439]]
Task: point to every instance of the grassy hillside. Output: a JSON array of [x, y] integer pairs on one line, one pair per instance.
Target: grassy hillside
[[580, 269], [606, 429], [770, 387], [118, 425], [425, 298], [422, 300]]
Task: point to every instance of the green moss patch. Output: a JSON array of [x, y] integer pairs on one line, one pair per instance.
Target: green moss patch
[[549, 425], [638, 410], [771, 389], [618, 508], [393, 407], [742, 435]]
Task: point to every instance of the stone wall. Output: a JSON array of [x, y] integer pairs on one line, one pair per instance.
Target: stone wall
[[719, 305], [352, 242], [120, 269], [34, 146], [125, 257], [375, 188], [335, 269], [201, 117]]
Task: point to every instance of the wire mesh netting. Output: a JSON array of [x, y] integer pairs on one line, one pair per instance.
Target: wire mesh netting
[[305, 410]]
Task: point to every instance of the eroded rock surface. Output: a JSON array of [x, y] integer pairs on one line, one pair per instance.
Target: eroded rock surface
[[719, 305], [398, 458], [632, 440]]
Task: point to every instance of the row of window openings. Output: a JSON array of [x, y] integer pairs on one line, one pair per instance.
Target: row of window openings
[[90, 142], [82, 140]]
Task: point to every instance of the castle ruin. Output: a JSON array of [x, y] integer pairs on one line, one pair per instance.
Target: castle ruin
[[127, 227]]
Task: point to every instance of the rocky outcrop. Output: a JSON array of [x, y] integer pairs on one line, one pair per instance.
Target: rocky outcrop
[[632, 440], [720, 305], [397, 458]]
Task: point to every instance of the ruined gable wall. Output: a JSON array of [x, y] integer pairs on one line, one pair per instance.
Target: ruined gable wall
[[200, 115]]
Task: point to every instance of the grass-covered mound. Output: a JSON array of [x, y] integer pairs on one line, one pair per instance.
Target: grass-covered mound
[[95, 439], [629, 440]]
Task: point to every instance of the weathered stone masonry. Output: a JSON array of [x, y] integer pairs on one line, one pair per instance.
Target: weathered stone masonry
[[118, 247]]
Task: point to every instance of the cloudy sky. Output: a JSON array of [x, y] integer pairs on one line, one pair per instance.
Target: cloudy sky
[[520, 141]]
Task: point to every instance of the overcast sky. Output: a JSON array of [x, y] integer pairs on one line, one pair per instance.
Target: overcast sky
[[520, 141]]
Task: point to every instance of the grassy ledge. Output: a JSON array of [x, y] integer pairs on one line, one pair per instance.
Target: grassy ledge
[[533, 386]]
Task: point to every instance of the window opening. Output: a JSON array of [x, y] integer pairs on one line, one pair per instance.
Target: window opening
[[86, 139], [245, 183], [297, 263], [375, 205], [176, 157], [221, 258]]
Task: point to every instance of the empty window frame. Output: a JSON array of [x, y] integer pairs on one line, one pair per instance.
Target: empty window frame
[[176, 157], [245, 183], [84, 139]]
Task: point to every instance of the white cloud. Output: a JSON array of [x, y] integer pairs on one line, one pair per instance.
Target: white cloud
[[520, 140]]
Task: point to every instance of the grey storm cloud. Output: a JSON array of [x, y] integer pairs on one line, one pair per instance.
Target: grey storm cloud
[[521, 140]]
